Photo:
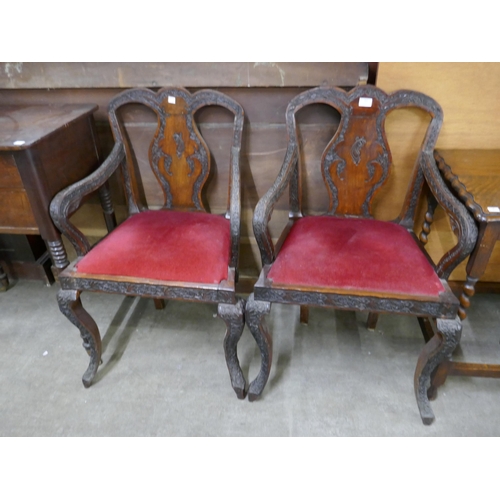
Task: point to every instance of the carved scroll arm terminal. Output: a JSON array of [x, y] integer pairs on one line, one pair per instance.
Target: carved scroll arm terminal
[[265, 206], [66, 202], [460, 217]]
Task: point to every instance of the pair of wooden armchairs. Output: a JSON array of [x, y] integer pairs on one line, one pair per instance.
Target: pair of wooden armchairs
[[342, 259]]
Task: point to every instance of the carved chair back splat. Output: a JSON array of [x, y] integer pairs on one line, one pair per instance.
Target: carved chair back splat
[[180, 251], [345, 258]]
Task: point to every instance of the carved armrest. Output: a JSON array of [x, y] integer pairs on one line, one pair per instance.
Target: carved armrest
[[66, 202], [265, 206], [461, 220]]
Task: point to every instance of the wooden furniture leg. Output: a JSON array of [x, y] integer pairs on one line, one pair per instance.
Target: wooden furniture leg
[[437, 350], [488, 235], [304, 315], [159, 304], [234, 317], [489, 232], [71, 306], [254, 317], [4, 280], [371, 322], [107, 207]]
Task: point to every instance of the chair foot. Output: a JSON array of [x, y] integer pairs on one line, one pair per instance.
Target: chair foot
[[234, 317], [439, 348], [71, 306], [254, 314]]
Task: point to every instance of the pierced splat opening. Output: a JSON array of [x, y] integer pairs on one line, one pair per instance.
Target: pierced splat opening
[[316, 125]]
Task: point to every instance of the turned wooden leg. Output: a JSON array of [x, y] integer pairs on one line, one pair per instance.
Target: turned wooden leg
[[254, 315], [58, 255], [467, 292], [71, 306], [489, 233], [234, 317], [429, 218], [4, 280], [438, 349], [107, 207]]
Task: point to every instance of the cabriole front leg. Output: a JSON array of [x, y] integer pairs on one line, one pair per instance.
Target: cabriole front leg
[[439, 348], [234, 317], [254, 315], [71, 306]]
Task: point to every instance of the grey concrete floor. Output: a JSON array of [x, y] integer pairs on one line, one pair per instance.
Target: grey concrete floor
[[164, 373]]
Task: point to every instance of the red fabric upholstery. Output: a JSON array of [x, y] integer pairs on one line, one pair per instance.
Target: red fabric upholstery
[[357, 254], [164, 245]]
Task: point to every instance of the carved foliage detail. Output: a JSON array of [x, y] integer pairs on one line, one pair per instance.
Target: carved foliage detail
[[359, 142], [355, 163], [179, 156]]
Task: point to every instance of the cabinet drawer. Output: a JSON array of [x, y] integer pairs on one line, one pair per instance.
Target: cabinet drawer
[[15, 211], [9, 175]]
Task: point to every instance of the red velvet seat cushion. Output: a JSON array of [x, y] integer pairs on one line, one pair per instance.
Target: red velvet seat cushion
[[357, 254], [164, 245]]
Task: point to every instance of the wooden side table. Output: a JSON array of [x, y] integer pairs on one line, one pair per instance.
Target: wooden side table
[[474, 176], [44, 149]]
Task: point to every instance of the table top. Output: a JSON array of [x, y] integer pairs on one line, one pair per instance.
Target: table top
[[474, 174], [23, 126]]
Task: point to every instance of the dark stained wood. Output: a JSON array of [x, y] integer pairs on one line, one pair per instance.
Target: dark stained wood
[[31, 124], [25, 257], [39, 270], [42, 150], [180, 162], [355, 164], [4, 281], [264, 140], [208, 74], [474, 178]]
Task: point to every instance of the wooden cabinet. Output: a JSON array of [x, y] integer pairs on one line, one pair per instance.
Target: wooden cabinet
[[43, 149]]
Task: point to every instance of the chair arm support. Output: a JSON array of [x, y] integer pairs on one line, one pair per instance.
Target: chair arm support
[[265, 206], [461, 219], [67, 201]]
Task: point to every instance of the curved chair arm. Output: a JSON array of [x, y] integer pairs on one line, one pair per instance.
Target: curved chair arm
[[460, 218], [265, 206], [66, 202]]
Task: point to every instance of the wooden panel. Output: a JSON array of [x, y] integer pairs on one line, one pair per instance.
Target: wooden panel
[[70, 145], [15, 212], [470, 97], [468, 93], [126, 74], [9, 175], [22, 127]]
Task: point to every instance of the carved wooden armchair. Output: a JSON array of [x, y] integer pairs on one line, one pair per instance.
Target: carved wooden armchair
[[180, 251], [345, 258]]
